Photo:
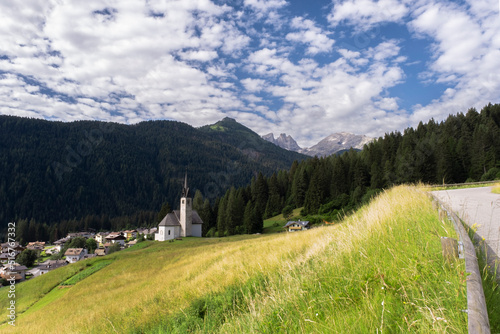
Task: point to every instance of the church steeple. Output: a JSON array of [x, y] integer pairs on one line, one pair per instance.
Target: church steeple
[[186, 211], [185, 190]]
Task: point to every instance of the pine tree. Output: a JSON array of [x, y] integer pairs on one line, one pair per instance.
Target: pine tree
[[248, 218], [221, 215], [165, 209], [197, 201]]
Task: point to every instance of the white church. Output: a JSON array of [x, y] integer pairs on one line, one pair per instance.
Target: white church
[[180, 223]]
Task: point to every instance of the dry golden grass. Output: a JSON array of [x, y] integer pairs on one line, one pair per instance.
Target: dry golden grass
[[141, 287], [144, 287]]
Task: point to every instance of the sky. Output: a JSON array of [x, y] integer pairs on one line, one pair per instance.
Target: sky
[[305, 68]]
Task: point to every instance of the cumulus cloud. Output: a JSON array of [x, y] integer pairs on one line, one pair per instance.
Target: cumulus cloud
[[365, 14], [308, 33], [263, 62], [465, 55]]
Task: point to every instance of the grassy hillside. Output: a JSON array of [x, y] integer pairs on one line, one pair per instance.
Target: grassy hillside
[[275, 224], [381, 269]]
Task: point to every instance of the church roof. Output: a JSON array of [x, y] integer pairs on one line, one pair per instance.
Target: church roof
[[172, 219], [196, 218]]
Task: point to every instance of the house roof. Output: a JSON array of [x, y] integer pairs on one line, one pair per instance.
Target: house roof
[[17, 277], [18, 268], [100, 252], [172, 219], [300, 222], [115, 237], [74, 252]]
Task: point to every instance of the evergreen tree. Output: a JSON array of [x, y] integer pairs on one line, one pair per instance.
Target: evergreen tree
[[221, 215], [197, 201], [248, 218], [165, 209]]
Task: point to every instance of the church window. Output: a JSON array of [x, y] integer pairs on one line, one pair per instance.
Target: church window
[[182, 201], [168, 232]]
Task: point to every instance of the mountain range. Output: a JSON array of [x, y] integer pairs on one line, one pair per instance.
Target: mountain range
[[333, 144]]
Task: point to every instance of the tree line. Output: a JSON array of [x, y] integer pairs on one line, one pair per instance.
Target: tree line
[[464, 147]]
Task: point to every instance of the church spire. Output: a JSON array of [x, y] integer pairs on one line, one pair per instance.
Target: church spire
[[185, 190]]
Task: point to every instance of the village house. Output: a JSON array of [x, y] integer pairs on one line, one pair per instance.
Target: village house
[[294, 226], [15, 250], [180, 223], [101, 237], [16, 270], [37, 246], [101, 251], [46, 266], [130, 234], [116, 238], [75, 254], [61, 242], [53, 250], [131, 243], [85, 235]]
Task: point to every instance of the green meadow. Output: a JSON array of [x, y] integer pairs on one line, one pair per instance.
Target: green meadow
[[379, 270]]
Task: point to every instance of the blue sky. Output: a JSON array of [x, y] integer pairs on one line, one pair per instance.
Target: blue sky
[[305, 68]]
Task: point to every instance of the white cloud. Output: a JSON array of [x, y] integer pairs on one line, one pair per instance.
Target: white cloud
[[308, 33], [265, 5], [196, 61], [466, 56], [338, 93], [365, 14], [384, 50], [253, 85]]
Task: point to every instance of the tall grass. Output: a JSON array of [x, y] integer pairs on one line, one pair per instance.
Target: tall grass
[[380, 270]]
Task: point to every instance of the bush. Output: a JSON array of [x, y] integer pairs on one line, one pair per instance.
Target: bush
[[114, 248], [287, 211], [211, 233], [491, 174], [338, 203], [27, 258], [369, 195]]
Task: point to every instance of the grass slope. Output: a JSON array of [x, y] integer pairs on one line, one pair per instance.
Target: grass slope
[[275, 224], [381, 269]]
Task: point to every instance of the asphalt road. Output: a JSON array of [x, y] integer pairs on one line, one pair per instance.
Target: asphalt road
[[477, 206]]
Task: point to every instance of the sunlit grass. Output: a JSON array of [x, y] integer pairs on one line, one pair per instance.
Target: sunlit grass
[[328, 279], [496, 189]]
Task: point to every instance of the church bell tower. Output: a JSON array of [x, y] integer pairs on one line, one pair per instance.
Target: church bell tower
[[186, 212]]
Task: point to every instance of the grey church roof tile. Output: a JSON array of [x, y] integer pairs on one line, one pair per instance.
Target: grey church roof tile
[[172, 219]]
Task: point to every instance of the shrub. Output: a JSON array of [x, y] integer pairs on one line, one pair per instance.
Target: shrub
[[287, 211], [211, 233]]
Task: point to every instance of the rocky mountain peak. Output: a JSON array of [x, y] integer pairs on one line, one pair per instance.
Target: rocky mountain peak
[[283, 141], [332, 144]]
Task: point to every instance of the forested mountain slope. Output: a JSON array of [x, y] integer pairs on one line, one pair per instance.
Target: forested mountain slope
[[464, 147], [50, 171]]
